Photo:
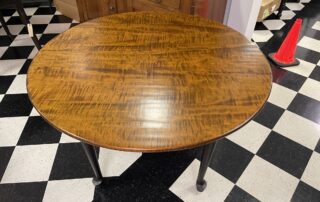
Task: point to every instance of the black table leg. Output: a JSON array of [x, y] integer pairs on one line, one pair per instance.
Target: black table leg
[[207, 152], [282, 5], [92, 157], [5, 27], [50, 4], [25, 21]]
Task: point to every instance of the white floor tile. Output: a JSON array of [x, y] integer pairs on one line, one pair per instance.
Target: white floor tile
[[67, 139], [15, 13], [11, 129], [281, 96], [11, 67], [298, 129], [261, 35], [2, 50], [33, 53], [267, 182], [23, 40], [18, 85], [29, 11], [250, 136], [57, 27], [311, 88], [58, 13], [34, 112], [114, 163], [30, 163], [1, 97], [305, 1], [41, 19], [80, 190], [287, 15], [304, 68], [311, 174], [273, 24], [310, 43], [295, 6], [218, 187], [316, 25], [6, 18], [14, 29]]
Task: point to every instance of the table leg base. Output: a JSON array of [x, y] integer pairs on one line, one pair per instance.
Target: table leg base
[[92, 156], [201, 186], [207, 152], [96, 181]]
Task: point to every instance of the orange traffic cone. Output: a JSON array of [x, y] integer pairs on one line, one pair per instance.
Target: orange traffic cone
[[285, 56]]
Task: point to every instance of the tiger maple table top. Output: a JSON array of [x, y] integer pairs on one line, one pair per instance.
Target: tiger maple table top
[[149, 81]]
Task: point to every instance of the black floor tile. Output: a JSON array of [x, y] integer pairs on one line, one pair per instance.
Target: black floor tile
[[229, 159], [270, 47], [269, 115], [15, 105], [73, 24], [19, 52], [315, 74], [166, 167], [305, 106], [25, 67], [237, 194], [38, 131], [45, 11], [133, 185], [290, 80], [277, 73], [260, 26], [8, 12], [5, 82], [46, 37], [273, 16], [5, 155], [5, 41], [37, 28], [308, 55], [279, 34], [70, 163], [261, 44], [16, 20], [304, 192], [60, 19], [312, 33], [19, 192], [285, 153]]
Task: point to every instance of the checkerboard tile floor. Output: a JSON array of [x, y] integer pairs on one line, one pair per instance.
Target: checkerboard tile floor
[[275, 157]]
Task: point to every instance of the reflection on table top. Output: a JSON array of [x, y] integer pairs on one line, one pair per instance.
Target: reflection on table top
[[149, 81]]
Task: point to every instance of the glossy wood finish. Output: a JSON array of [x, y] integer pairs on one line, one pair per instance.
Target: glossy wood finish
[[149, 81]]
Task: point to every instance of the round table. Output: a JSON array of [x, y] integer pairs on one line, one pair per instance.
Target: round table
[[149, 82]]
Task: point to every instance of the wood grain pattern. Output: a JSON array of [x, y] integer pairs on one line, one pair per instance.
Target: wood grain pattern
[[149, 81]]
